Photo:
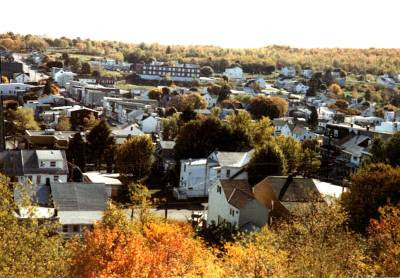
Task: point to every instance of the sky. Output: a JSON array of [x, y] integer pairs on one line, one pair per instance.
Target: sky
[[234, 23]]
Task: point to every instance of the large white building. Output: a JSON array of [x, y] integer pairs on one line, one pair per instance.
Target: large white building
[[196, 176]]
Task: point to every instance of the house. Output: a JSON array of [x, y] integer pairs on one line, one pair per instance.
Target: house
[[235, 73], [386, 82], [21, 77], [283, 126], [77, 114], [288, 71], [14, 88], [196, 176], [166, 154], [8, 68], [61, 76], [48, 139], [37, 167], [232, 203], [301, 133], [78, 205], [301, 88], [307, 73], [111, 181], [353, 150], [150, 124], [283, 195], [121, 135]]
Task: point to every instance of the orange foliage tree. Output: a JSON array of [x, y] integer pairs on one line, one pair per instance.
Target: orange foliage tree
[[122, 249]]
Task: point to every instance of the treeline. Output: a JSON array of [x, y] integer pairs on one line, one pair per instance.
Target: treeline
[[253, 60]]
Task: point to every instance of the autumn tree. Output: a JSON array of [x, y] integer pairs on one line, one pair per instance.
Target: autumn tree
[[371, 187], [89, 122], [170, 127], [188, 101], [392, 148], [384, 238], [271, 107], [135, 157], [336, 89], [155, 94], [267, 160], [4, 79], [63, 124], [99, 139], [156, 249], [22, 119], [28, 247]]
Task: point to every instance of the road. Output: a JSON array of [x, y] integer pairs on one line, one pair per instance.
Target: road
[[34, 75]]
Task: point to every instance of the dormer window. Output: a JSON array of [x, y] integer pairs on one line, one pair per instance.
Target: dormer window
[[52, 164]]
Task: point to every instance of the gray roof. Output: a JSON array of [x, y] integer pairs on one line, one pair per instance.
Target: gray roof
[[231, 159], [25, 162], [79, 196]]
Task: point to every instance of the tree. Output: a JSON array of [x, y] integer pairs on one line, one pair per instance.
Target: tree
[[291, 150], [63, 124], [23, 119], [393, 150], [188, 101], [76, 152], [224, 92], [272, 107], [119, 248], [195, 141], [28, 247], [313, 120], [155, 94], [135, 157], [371, 187], [86, 68], [335, 89], [90, 121], [267, 160], [384, 238], [4, 79], [206, 71], [309, 163], [377, 151], [99, 140]]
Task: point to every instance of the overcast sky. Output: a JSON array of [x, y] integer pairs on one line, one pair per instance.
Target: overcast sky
[[227, 23]]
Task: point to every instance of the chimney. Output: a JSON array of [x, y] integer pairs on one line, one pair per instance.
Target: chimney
[[285, 187]]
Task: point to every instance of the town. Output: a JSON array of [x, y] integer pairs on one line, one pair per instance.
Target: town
[[232, 149]]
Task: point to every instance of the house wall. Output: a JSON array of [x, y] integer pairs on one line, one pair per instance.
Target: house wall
[[219, 209], [149, 125], [254, 212], [39, 179]]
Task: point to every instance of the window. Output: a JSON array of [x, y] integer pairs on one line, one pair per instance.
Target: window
[[42, 164], [232, 212], [65, 228], [76, 228], [219, 189], [56, 178], [38, 179], [52, 164], [228, 173], [184, 168]]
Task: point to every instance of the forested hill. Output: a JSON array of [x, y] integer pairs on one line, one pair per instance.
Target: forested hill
[[254, 60]]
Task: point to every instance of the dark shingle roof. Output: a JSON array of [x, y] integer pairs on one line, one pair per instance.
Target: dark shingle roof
[[25, 162], [237, 192], [79, 196]]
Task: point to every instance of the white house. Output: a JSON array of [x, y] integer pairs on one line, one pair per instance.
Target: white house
[[386, 82], [62, 77], [21, 77], [150, 125], [307, 73], [234, 73], [196, 176], [232, 203], [325, 113], [13, 88], [283, 126], [288, 71], [301, 88]]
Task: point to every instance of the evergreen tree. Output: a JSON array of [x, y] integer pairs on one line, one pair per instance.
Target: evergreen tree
[[99, 140]]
